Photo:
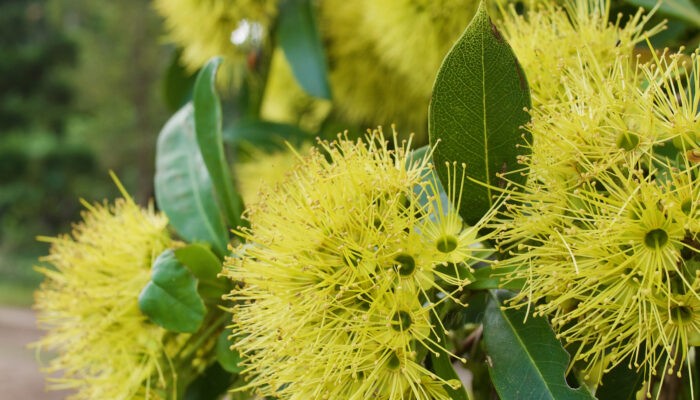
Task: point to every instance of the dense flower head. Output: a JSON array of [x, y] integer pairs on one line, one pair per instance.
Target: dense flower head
[[352, 53], [261, 170], [106, 348], [396, 46], [415, 35], [343, 267], [549, 39], [605, 233], [674, 102], [209, 28]]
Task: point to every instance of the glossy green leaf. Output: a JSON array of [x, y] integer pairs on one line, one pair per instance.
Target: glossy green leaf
[[487, 278], [227, 357], [457, 317], [183, 186], [207, 119], [442, 366], [682, 9], [526, 361], [214, 382], [265, 134], [205, 266], [298, 35], [170, 298], [476, 112], [621, 383]]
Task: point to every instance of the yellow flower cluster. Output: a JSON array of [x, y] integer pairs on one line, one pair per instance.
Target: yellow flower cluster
[[106, 348], [342, 270], [550, 39], [208, 28], [605, 232], [262, 170], [395, 46]]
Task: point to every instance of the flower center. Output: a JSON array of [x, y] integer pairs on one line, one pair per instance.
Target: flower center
[[352, 258], [401, 321], [656, 238], [681, 313], [394, 361], [627, 141], [687, 206], [446, 244], [406, 264]]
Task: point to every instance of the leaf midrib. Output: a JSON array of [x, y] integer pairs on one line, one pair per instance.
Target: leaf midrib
[[527, 351], [487, 172]]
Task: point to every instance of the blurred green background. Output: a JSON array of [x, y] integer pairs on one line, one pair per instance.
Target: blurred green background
[[80, 94]]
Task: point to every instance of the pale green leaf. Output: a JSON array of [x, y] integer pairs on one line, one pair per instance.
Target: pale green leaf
[[183, 186]]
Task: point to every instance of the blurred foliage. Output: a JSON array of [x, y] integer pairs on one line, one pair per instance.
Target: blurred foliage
[[34, 165], [33, 94], [118, 107], [79, 94]]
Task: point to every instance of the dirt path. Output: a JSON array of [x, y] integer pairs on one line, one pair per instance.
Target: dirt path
[[20, 378]]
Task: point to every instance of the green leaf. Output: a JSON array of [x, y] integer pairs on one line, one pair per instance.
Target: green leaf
[[200, 260], [684, 10], [170, 299], [621, 383], [227, 357], [207, 119], [205, 266], [457, 317], [214, 382], [476, 112], [298, 35], [442, 366], [183, 186], [487, 278], [177, 84], [265, 134], [526, 361]]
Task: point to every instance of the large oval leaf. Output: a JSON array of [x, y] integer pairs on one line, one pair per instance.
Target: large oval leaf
[[207, 119], [476, 111], [183, 186], [526, 359], [170, 299]]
